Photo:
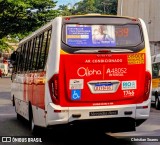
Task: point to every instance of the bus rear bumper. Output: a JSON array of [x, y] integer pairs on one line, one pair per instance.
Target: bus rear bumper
[[56, 115], [83, 117], [61, 115], [143, 110], [135, 114]]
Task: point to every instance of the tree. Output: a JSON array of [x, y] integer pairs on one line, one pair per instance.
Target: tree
[[18, 18], [84, 7], [95, 6], [64, 10], [24, 16], [106, 6], [4, 46]]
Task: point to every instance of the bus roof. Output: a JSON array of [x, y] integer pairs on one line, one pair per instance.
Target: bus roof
[[101, 15]]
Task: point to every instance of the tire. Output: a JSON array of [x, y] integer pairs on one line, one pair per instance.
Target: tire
[[157, 103], [33, 127]]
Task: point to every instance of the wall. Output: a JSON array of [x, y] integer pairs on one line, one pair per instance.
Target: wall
[[148, 10]]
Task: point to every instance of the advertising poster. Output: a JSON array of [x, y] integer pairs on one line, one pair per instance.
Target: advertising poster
[[90, 35]]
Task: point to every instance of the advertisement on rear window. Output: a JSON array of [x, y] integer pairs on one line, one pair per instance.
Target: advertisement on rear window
[[93, 35]]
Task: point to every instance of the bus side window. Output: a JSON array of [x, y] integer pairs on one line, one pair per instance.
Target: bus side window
[[19, 59], [27, 55], [39, 51], [15, 67], [42, 53], [31, 55], [34, 53], [22, 57], [47, 46]]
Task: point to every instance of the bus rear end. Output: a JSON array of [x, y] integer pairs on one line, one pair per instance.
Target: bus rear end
[[104, 73]]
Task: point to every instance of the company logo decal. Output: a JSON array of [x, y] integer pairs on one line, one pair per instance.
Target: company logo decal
[[82, 71], [127, 85]]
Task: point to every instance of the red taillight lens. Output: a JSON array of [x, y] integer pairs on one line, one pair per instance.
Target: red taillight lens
[[147, 86], [53, 88], [67, 18]]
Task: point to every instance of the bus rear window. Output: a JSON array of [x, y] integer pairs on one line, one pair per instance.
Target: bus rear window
[[102, 35]]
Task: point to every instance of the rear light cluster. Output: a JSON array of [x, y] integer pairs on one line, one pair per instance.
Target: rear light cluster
[[54, 89], [147, 85]]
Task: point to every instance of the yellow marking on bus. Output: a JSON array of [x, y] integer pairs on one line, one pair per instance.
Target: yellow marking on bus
[[143, 51], [63, 52], [136, 58]]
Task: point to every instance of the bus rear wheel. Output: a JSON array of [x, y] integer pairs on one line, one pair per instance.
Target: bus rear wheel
[[157, 103], [33, 127]]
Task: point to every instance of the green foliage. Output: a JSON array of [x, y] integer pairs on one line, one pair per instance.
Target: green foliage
[[24, 16], [64, 10], [18, 18], [91, 6], [84, 7], [4, 46], [106, 6]]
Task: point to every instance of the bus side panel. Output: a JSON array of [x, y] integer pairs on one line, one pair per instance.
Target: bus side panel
[[35, 84], [18, 91]]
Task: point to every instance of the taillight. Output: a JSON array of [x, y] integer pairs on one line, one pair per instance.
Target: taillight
[[53, 88], [147, 85]]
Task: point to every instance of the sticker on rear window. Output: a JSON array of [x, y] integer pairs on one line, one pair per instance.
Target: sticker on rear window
[[75, 94], [76, 84], [127, 85]]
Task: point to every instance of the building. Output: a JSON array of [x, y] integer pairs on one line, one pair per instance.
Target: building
[[148, 10]]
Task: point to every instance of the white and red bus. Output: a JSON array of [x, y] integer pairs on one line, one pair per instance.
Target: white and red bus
[[90, 69]]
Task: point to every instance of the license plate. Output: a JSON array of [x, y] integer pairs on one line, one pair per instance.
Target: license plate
[[103, 87], [103, 113]]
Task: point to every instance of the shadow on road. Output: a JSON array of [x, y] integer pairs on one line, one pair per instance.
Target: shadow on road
[[74, 136], [79, 137]]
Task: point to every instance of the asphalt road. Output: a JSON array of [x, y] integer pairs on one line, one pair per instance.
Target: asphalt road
[[10, 126]]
